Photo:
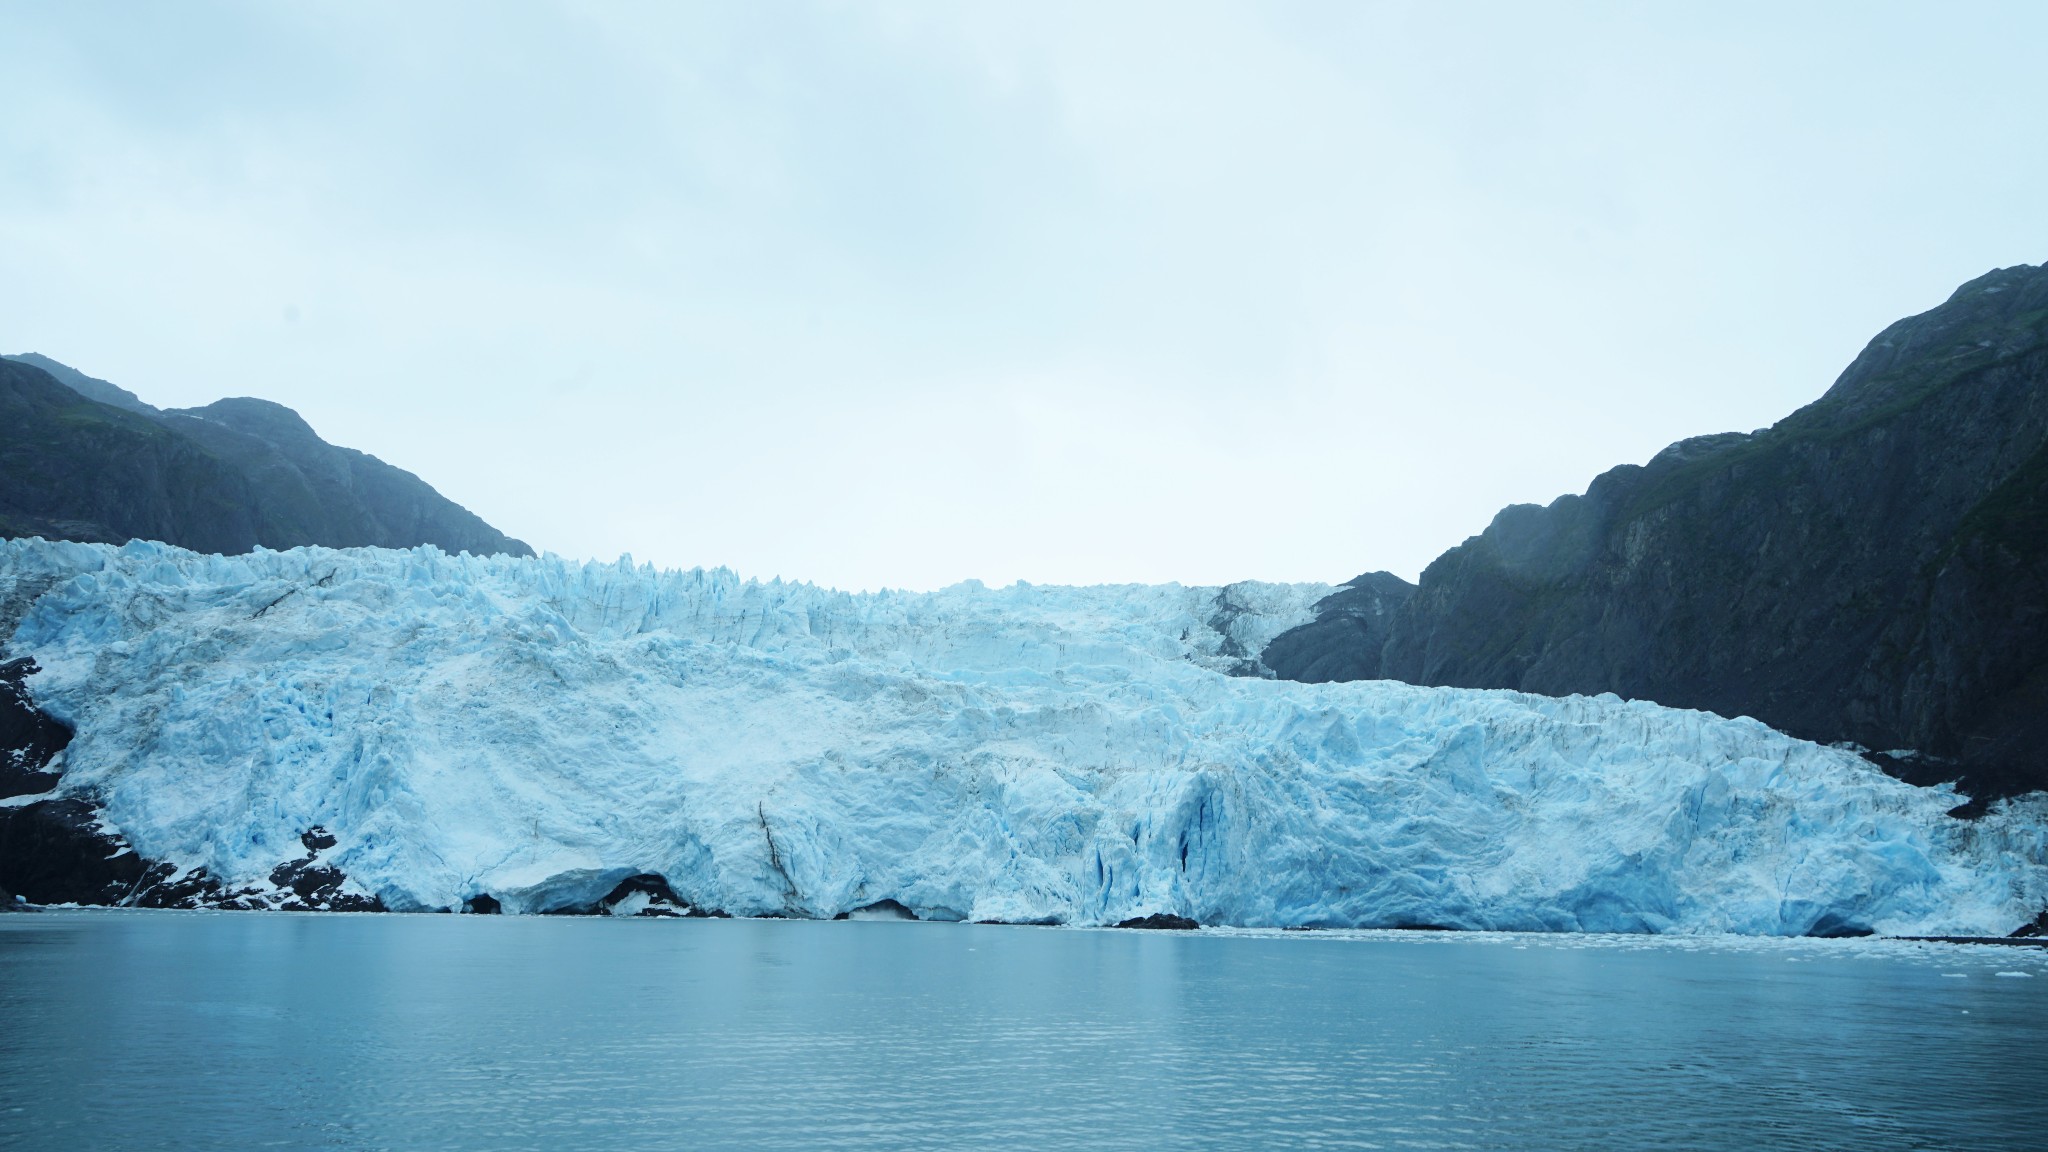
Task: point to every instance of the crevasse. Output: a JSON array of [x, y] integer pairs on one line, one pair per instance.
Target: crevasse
[[539, 730]]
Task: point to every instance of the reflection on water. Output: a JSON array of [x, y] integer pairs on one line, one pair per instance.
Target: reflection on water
[[195, 1030]]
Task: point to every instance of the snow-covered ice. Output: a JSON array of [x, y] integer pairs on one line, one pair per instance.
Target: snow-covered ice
[[539, 730]]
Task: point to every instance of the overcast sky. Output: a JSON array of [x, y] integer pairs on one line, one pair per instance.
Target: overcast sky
[[906, 294]]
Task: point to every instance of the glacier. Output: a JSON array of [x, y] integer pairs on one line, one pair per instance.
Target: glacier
[[538, 731]]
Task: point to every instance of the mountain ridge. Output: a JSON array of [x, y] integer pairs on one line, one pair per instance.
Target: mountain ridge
[[1871, 569], [87, 460]]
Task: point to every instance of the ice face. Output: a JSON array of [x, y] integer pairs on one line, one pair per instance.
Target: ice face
[[540, 730]]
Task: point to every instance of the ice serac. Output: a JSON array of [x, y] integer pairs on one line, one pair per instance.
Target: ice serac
[[539, 733]]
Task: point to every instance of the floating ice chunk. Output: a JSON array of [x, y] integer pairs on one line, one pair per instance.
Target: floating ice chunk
[[631, 904]]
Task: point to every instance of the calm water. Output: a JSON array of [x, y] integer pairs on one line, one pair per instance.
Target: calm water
[[195, 1030]]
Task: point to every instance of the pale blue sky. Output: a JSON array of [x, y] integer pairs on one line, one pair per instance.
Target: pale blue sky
[[905, 294]]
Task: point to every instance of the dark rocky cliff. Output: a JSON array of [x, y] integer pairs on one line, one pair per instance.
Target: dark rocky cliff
[[1873, 568], [1350, 631], [224, 478]]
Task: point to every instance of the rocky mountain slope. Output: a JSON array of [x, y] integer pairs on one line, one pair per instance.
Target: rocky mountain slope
[[82, 459], [1871, 569]]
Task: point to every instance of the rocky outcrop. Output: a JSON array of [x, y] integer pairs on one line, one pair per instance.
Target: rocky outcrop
[[81, 459], [317, 886], [57, 852], [60, 851], [1345, 640], [1162, 922], [1871, 569], [55, 848], [29, 740]]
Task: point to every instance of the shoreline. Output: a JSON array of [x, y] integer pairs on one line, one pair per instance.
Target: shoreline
[[1839, 945]]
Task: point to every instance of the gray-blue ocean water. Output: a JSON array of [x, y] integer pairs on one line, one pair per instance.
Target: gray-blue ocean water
[[242, 1031]]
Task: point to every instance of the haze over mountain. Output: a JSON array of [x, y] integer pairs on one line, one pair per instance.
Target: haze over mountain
[[83, 459], [1093, 267], [1873, 568]]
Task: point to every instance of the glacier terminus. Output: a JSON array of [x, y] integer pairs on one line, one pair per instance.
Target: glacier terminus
[[537, 735]]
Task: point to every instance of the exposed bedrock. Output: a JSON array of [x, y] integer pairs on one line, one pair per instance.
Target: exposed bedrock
[[53, 849], [59, 852], [1345, 639], [57, 848], [1872, 569], [315, 886], [1163, 921], [29, 740]]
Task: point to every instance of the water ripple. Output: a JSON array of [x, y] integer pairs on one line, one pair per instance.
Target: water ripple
[[175, 1031]]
